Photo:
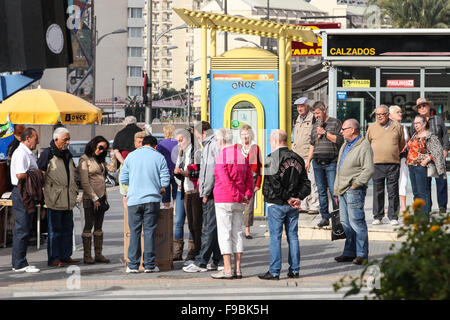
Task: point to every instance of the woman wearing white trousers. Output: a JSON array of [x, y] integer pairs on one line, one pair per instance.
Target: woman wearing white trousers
[[233, 189]]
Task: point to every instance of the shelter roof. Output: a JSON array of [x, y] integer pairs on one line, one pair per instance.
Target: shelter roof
[[243, 25]]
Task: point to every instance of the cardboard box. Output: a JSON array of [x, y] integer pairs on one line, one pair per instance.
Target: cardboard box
[[163, 240]]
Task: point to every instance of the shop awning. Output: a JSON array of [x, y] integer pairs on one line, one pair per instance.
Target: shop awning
[[307, 78]]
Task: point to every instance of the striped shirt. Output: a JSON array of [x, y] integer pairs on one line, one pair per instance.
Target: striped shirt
[[324, 148]]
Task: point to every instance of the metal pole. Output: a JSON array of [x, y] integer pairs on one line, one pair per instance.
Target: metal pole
[[226, 33], [112, 100], [94, 62], [148, 108], [189, 87], [268, 18]]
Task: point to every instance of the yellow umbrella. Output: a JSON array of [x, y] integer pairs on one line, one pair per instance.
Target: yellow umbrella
[[43, 106]]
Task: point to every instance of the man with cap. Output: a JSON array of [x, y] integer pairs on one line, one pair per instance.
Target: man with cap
[[301, 138], [437, 127]]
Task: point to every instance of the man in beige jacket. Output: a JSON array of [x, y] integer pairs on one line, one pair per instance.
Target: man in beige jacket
[[354, 170], [302, 142]]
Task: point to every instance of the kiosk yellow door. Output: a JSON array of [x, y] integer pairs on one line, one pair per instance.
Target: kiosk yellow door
[[241, 110]]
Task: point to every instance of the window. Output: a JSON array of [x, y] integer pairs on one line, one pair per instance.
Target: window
[[135, 72], [135, 52], [439, 77], [356, 77], [134, 91], [135, 13], [135, 32], [399, 78]]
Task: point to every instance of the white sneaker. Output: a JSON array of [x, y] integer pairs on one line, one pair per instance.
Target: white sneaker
[[394, 222], [28, 269], [376, 222], [155, 269], [132, 270], [193, 268], [188, 262]]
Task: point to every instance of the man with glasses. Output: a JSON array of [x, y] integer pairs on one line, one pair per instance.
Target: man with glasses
[[437, 127], [355, 168], [387, 141]]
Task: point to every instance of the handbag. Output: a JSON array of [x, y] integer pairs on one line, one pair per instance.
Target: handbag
[[337, 230], [432, 170], [104, 204]]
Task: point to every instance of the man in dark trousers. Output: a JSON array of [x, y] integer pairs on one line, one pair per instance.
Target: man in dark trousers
[[285, 185]]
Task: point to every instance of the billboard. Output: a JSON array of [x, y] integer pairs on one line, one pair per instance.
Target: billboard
[[309, 49]]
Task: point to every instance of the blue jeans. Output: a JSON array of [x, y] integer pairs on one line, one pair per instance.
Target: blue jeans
[[353, 219], [22, 229], [210, 242], [325, 176], [421, 185], [171, 192], [442, 192], [60, 231], [279, 215], [180, 217], [142, 214]]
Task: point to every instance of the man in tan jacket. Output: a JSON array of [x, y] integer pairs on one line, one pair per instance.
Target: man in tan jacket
[[387, 141], [302, 142]]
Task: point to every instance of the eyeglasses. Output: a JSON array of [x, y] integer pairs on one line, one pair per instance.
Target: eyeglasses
[[381, 114], [418, 122], [343, 129], [422, 106], [101, 148]]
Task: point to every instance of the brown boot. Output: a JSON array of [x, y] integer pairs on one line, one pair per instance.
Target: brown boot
[[87, 244], [98, 245], [178, 245], [191, 250]]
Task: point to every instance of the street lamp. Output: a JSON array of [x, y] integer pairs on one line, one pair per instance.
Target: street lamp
[[245, 40]]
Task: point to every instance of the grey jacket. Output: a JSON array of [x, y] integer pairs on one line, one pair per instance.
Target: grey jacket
[[206, 178]]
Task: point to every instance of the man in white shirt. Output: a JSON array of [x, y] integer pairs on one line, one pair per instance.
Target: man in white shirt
[[22, 161]]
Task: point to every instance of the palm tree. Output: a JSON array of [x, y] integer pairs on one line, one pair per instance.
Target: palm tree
[[415, 13]]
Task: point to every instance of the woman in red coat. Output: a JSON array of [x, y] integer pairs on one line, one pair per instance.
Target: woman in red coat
[[250, 150]]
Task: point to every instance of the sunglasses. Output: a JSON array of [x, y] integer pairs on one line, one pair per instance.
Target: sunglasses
[[422, 106], [101, 148]]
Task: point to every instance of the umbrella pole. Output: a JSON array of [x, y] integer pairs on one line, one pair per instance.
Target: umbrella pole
[[39, 144]]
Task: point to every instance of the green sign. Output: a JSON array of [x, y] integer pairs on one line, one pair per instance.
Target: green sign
[[235, 124]]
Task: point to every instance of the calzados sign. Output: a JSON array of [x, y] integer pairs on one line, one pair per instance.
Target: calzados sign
[[307, 49]]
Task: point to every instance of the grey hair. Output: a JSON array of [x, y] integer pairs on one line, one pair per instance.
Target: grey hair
[[383, 106], [319, 105], [394, 108], [354, 124], [59, 132], [183, 132], [129, 120], [225, 135]]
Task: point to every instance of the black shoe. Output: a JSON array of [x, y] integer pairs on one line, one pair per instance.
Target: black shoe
[[249, 237], [344, 259], [442, 210], [323, 223], [293, 274], [359, 260], [268, 276]]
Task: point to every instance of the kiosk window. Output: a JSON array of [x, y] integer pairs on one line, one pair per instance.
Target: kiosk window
[[437, 77], [367, 75], [441, 103], [400, 78]]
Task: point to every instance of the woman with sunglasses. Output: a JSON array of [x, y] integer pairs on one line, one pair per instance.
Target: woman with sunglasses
[[92, 168]]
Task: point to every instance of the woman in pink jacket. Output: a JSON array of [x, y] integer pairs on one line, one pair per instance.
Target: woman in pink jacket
[[233, 188]]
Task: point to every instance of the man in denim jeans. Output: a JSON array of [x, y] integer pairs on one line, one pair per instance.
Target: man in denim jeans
[[285, 185], [326, 140], [355, 168], [146, 174]]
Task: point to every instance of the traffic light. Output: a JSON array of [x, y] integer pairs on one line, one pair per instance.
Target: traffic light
[[145, 89]]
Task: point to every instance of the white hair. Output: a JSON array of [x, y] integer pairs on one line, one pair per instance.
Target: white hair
[[129, 120], [59, 132], [225, 135], [394, 108]]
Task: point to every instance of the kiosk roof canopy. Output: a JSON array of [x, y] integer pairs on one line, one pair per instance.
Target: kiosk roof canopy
[[242, 25]]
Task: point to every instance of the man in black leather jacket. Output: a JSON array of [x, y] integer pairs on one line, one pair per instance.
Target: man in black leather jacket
[[285, 185]]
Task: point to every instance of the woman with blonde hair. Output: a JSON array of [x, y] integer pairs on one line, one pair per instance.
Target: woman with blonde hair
[[251, 152], [169, 149], [233, 190]]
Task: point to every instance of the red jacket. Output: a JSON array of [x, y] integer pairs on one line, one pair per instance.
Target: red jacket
[[254, 159]]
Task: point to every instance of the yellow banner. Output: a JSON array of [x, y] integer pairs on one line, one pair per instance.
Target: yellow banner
[[352, 83]]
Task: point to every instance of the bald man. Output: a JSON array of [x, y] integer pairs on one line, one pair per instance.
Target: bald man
[[285, 185]]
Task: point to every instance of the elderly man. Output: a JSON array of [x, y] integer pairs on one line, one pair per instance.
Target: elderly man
[[438, 128], [355, 168], [285, 185], [326, 140], [60, 192], [387, 141], [302, 142], [22, 161], [145, 172]]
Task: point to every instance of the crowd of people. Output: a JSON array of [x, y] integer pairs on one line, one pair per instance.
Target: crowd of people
[[212, 181]]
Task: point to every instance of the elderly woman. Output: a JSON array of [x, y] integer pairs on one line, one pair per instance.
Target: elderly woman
[[92, 168], [187, 177], [233, 190], [425, 159], [396, 114], [167, 148], [250, 151]]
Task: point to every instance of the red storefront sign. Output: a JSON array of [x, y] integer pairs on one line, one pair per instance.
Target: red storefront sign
[[309, 49], [400, 83]]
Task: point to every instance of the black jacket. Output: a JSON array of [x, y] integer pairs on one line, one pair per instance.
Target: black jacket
[[285, 177]]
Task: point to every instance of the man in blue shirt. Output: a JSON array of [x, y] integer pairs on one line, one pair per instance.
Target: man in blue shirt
[[146, 174]]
